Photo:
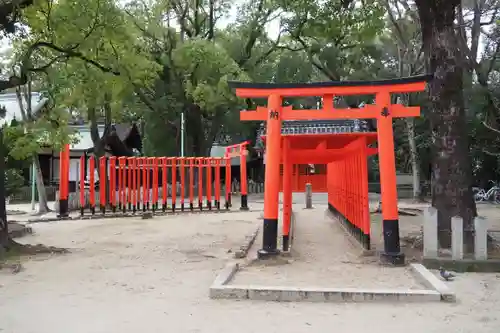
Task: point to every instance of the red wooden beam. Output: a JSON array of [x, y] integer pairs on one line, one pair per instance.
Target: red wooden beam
[[368, 111], [314, 90]]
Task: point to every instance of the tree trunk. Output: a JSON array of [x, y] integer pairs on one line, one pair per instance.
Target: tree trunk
[[43, 206], [415, 164], [451, 164], [100, 142], [4, 227]]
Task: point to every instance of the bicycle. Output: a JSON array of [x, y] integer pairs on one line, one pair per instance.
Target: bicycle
[[481, 195]]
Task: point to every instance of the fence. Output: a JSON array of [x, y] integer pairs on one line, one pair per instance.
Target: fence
[[348, 195], [131, 184], [23, 195], [457, 236]]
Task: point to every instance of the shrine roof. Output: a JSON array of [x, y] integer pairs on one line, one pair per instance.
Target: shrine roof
[[291, 127], [322, 129]]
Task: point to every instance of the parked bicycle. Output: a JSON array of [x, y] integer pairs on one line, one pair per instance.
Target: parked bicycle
[[493, 194]]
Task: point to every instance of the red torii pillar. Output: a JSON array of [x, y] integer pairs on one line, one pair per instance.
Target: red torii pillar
[[382, 110], [240, 150]]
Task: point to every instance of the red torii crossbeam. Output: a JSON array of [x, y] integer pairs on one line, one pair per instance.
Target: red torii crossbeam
[[383, 111]]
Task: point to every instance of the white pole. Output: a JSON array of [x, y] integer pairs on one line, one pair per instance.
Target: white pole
[[33, 184], [182, 134]]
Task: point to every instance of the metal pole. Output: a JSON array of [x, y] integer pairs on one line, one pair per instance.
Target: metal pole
[[182, 134], [3, 210], [33, 184]]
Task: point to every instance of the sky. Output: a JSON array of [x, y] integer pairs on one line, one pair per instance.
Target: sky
[[272, 29]]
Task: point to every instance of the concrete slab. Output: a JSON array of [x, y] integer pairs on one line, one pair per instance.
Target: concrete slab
[[464, 265]]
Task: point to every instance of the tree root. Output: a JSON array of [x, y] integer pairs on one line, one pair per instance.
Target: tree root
[[15, 250], [29, 249]]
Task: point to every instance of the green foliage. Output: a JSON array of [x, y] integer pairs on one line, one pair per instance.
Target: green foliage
[[206, 68], [14, 181], [109, 62], [337, 39]]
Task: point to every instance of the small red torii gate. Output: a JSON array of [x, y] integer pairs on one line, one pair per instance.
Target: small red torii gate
[[324, 149], [331, 149]]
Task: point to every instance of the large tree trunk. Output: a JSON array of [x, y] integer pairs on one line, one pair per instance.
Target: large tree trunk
[[43, 206], [452, 175]]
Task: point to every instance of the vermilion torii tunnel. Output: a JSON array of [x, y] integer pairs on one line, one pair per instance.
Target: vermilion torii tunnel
[[345, 154]]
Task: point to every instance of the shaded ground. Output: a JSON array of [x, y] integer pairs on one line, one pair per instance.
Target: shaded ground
[[130, 275]]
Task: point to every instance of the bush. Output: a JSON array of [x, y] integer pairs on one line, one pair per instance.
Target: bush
[[13, 181]]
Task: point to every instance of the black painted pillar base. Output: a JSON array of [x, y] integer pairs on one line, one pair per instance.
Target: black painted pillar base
[[173, 207], [182, 206], [134, 209], [164, 206], [147, 205], [229, 202], [92, 210], [286, 242], [82, 211], [392, 250], [103, 209], [217, 204], [200, 205], [396, 259], [269, 239], [114, 209], [244, 202], [129, 206], [63, 208], [191, 206], [143, 208], [365, 241], [124, 209], [120, 206]]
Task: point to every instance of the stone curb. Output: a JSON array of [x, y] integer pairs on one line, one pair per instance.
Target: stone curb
[[314, 294], [226, 274], [354, 242], [98, 216], [248, 242], [429, 280], [464, 265], [220, 290]]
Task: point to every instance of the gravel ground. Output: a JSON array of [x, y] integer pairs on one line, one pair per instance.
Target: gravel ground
[[129, 275]]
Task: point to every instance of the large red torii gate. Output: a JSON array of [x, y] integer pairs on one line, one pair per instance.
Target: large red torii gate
[[332, 147]]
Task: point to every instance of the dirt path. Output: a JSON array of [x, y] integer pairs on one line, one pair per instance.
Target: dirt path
[[323, 256]]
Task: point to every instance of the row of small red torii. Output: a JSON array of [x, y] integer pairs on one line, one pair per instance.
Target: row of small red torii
[[125, 177]]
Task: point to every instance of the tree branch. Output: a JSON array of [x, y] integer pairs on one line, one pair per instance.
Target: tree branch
[[15, 81], [396, 25]]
